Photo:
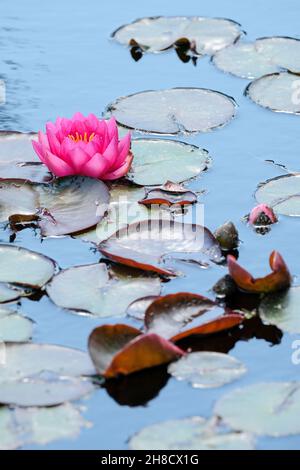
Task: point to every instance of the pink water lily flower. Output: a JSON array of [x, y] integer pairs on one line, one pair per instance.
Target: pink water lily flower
[[85, 146]]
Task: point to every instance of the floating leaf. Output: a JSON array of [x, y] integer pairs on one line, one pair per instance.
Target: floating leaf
[[282, 194], [14, 327], [279, 279], [194, 433], [157, 161], [243, 60], [9, 293], [158, 33], [278, 92], [282, 309], [174, 111], [121, 350], [65, 206], [96, 289], [43, 375], [145, 244], [208, 327], [207, 369], [18, 160], [167, 315], [27, 268], [169, 198], [23, 426], [265, 408], [283, 51]]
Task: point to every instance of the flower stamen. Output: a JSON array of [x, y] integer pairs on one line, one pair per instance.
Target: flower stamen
[[81, 138]]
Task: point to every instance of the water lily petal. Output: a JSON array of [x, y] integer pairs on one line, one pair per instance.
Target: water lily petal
[[112, 128], [123, 150], [96, 166], [53, 141], [121, 171], [58, 166], [39, 150], [78, 157]]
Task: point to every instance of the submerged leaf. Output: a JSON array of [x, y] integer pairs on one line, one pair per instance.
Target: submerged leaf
[[282, 309], [279, 279]]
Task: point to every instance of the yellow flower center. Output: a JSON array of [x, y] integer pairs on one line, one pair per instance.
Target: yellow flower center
[[81, 138]]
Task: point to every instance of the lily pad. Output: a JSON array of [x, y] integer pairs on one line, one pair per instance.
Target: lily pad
[[9, 292], [278, 279], [138, 308], [24, 267], [282, 309], [282, 194], [43, 375], [270, 408], [18, 159], [278, 92], [65, 206], [146, 244], [207, 369], [194, 433], [283, 51], [157, 161], [121, 350], [23, 426], [167, 315], [14, 327], [158, 33], [244, 60], [174, 111], [100, 291]]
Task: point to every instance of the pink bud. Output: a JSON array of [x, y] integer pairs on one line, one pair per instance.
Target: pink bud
[[262, 215]]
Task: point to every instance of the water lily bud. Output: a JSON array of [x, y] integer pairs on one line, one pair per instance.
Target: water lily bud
[[262, 215], [227, 236], [225, 287]]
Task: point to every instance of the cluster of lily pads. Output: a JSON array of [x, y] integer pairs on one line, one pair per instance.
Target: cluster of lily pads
[[274, 62], [39, 382]]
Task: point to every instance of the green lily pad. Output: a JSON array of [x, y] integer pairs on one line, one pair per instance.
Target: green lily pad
[[264, 408], [282, 194], [24, 267], [243, 60], [23, 426], [100, 291], [157, 161], [18, 159], [65, 206], [282, 309], [14, 327], [194, 433], [174, 111], [207, 369], [277, 92], [158, 33]]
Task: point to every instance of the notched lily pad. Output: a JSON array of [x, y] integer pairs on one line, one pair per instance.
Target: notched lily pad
[[24, 267], [18, 159], [194, 433], [146, 244], [156, 34], [282, 194], [277, 92], [174, 111], [282, 309], [14, 327], [100, 291], [279, 279], [66, 206], [207, 369], [121, 350], [165, 197], [158, 160], [23, 426], [270, 408]]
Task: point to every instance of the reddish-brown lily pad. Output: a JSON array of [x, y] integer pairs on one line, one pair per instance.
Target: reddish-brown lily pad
[[121, 350], [169, 194], [279, 279], [146, 244], [169, 314]]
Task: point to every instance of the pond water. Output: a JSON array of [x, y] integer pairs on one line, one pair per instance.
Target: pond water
[[56, 58]]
